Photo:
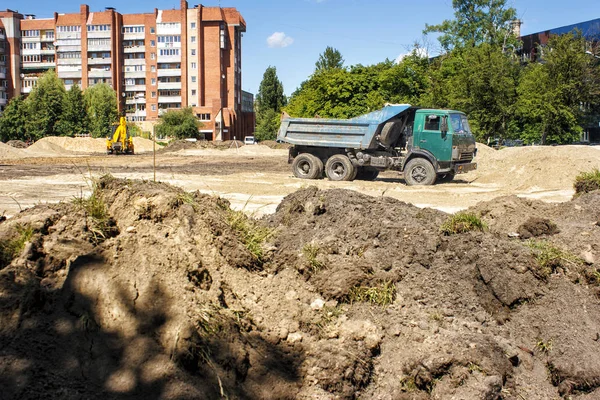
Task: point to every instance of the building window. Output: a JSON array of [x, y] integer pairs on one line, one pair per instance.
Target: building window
[[193, 92], [153, 68], [193, 25], [133, 29], [30, 33], [193, 52], [193, 39], [152, 30], [153, 95], [153, 80], [169, 39], [70, 28], [193, 78], [153, 107], [203, 117], [168, 52], [153, 43], [98, 28], [152, 56], [194, 65]]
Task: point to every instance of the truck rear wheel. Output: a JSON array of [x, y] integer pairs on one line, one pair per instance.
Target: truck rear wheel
[[419, 171], [340, 168], [307, 166]]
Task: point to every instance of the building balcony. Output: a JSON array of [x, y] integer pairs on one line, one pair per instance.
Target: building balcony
[[169, 99], [99, 47], [170, 45], [134, 36], [68, 35], [2, 50], [30, 39], [34, 52], [168, 72], [69, 61], [99, 61], [162, 30], [47, 52], [134, 100], [169, 59], [99, 35], [169, 85], [99, 74], [2, 89], [2, 36], [135, 88], [68, 48], [38, 65], [135, 74], [3, 102], [2, 75], [69, 74], [134, 61], [138, 113], [48, 39], [134, 49]]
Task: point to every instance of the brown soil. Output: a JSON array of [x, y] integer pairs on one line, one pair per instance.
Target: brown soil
[[164, 300]]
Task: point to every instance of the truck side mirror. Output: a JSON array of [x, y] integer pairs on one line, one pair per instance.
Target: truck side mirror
[[444, 127]]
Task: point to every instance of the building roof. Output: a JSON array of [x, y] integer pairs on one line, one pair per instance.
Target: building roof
[[589, 29]]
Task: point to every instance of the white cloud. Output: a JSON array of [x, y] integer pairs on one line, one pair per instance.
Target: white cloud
[[279, 40], [420, 52]]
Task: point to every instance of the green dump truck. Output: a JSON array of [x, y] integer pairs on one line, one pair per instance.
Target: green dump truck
[[424, 144]]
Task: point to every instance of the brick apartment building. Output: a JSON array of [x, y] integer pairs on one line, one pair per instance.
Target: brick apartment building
[[165, 59]]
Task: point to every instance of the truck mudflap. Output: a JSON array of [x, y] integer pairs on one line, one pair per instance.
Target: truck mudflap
[[462, 168]]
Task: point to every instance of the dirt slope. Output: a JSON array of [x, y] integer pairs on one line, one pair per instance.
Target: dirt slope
[[169, 302]]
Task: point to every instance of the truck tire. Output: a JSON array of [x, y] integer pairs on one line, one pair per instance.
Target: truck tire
[[367, 174], [390, 133], [307, 166], [419, 171], [340, 168]]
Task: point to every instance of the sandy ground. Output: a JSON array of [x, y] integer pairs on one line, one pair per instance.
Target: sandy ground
[[256, 178]]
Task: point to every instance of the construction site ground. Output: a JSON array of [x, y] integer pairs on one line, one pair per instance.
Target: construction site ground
[[353, 290]]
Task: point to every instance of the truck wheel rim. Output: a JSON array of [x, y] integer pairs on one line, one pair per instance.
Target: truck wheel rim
[[338, 169], [304, 167], [418, 174]]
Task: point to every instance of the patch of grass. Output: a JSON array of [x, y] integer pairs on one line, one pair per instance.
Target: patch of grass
[[462, 222], [252, 234], [587, 182], [9, 249], [550, 258], [382, 295], [95, 208], [544, 346], [328, 315], [407, 384], [436, 316], [311, 252]]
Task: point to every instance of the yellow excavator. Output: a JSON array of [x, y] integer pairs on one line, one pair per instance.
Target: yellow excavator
[[119, 142]]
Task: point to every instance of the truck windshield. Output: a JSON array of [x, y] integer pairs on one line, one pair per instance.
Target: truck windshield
[[460, 124]]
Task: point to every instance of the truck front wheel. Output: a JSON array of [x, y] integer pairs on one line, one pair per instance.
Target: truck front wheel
[[307, 166], [419, 171], [339, 168]]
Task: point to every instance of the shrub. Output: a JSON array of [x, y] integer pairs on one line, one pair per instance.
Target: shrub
[[462, 222], [587, 182]]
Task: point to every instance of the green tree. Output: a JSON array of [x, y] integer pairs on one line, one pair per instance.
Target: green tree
[[45, 106], [13, 121], [330, 59], [406, 82], [270, 99], [74, 119], [101, 102], [476, 22], [551, 93], [179, 124]]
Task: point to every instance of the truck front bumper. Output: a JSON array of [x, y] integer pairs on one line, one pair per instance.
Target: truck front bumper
[[462, 168]]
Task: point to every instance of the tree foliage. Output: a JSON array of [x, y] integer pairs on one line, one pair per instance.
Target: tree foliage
[[13, 121], [45, 106], [101, 101], [330, 59], [179, 124], [74, 118], [476, 22], [270, 99]]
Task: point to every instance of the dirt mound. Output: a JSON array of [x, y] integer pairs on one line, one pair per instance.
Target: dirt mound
[[146, 289], [272, 144], [9, 152], [48, 146], [142, 145], [19, 144], [78, 144]]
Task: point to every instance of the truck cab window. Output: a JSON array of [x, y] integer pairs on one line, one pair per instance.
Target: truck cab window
[[432, 123]]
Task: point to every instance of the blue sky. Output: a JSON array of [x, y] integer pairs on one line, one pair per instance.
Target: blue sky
[[290, 34]]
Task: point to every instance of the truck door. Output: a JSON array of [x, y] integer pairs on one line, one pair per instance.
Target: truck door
[[433, 138]]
